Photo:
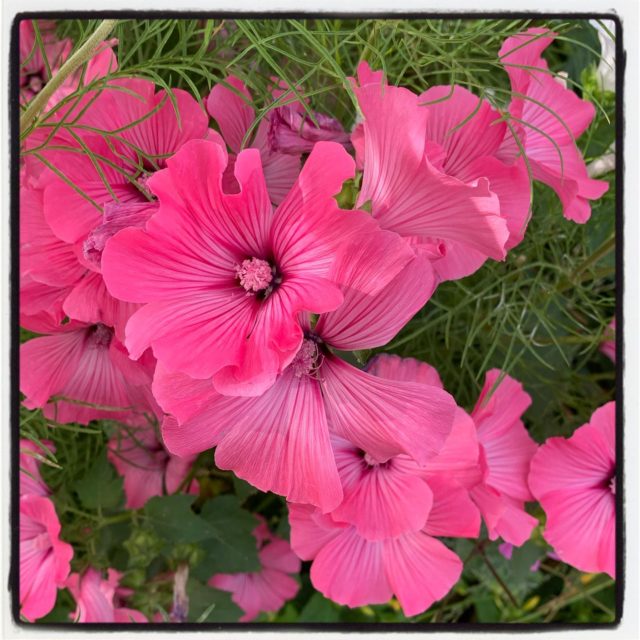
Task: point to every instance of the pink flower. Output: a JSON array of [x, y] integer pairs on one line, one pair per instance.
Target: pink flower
[[148, 469], [487, 453], [354, 571], [79, 364], [506, 451], [608, 346], [280, 441], [64, 233], [575, 482], [44, 558], [269, 588], [548, 118], [98, 600], [31, 482], [33, 69], [223, 275], [232, 110], [405, 182], [470, 153], [292, 131]]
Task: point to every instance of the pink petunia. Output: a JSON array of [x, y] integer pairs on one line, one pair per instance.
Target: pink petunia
[[547, 119], [64, 231], [44, 558], [608, 345], [31, 482], [354, 571], [406, 182], [574, 480], [99, 600], [270, 587], [280, 441], [147, 467], [223, 276], [230, 106], [77, 365], [33, 68], [487, 452]]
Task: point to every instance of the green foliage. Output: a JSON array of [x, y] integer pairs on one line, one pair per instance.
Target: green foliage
[[101, 487]]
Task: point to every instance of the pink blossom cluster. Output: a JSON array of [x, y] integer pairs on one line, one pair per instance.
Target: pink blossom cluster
[[209, 280]]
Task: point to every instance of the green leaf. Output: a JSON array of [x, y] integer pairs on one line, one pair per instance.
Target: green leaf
[[210, 605], [231, 547], [101, 487], [319, 609], [172, 519]]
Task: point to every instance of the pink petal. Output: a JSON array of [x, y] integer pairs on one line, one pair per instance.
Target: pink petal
[[311, 530], [420, 570], [349, 570], [232, 111], [453, 513], [385, 417], [278, 555], [394, 367], [480, 135], [368, 321], [280, 442], [515, 524]]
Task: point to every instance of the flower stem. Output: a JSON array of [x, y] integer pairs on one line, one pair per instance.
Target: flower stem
[[82, 55]]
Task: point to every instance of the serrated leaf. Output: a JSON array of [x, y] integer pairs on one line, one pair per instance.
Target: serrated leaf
[[173, 520], [231, 548], [319, 609], [210, 605], [101, 487]]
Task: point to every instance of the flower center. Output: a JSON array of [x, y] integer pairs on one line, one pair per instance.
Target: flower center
[[612, 485], [255, 275], [35, 82], [308, 359], [101, 335]]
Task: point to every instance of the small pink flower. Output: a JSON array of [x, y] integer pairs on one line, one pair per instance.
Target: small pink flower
[[548, 118], [404, 179], [354, 571], [270, 587], [608, 345], [44, 558], [31, 482], [147, 467], [292, 131], [99, 600], [223, 276], [280, 441], [78, 364], [575, 482], [33, 69], [232, 110]]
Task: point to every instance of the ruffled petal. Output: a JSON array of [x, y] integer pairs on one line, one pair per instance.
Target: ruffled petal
[[231, 110]]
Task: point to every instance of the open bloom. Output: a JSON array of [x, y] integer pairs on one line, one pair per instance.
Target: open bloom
[[147, 467], [99, 600], [269, 588], [280, 441], [79, 364], [223, 276], [574, 480], [44, 558], [231, 109], [487, 452], [355, 571], [547, 119], [404, 157], [65, 230]]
